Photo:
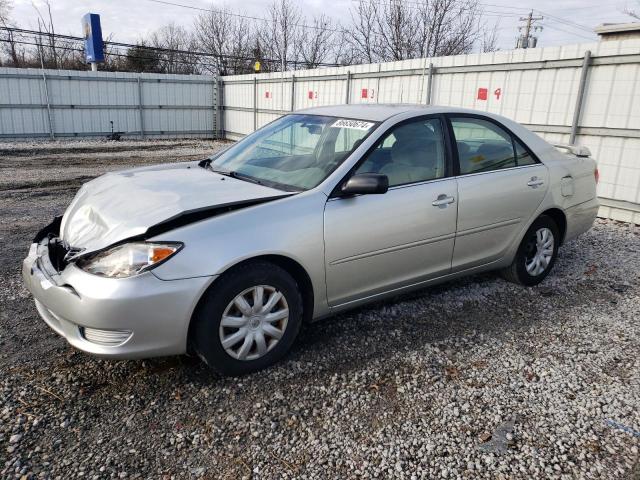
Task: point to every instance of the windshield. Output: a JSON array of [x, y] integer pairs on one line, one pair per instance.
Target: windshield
[[295, 152]]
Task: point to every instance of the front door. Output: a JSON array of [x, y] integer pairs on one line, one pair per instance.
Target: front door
[[377, 243]]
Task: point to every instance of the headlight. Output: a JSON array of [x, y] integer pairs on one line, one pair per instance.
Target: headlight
[[128, 259]]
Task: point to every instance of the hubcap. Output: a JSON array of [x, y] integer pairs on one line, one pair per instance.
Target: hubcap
[[253, 322], [539, 252]]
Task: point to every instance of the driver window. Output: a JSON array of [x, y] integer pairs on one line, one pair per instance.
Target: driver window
[[409, 153]]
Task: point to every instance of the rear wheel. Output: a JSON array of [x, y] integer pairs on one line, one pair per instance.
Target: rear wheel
[[537, 253], [248, 320]]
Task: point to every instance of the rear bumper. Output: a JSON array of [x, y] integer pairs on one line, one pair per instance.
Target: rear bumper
[[580, 218], [134, 317]]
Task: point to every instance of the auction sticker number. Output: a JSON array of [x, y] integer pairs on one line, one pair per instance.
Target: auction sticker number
[[354, 124]]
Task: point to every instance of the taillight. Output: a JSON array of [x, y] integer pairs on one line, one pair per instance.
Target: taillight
[[596, 175]]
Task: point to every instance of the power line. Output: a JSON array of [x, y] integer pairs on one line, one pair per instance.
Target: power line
[[248, 17], [67, 48], [526, 11], [158, 49], [522, 11], [567, 22], [112, 53], [570, 33]]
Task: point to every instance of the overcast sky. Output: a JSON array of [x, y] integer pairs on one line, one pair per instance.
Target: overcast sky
[[129, 20]]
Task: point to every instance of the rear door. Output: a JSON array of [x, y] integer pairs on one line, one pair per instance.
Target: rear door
[[500, 186], [377, 243]]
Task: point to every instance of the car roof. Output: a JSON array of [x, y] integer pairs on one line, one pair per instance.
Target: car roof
[[379, 112]]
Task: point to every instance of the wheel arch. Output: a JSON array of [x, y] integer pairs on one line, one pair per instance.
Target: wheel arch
[[560, 219], [291, 266]]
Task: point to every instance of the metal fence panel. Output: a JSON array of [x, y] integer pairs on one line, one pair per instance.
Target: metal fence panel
[[82, 104], [536, 87]]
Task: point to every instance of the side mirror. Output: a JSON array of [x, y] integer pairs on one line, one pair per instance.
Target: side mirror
[[366, 183]]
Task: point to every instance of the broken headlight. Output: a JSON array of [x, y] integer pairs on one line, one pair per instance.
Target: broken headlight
[[128, 259]]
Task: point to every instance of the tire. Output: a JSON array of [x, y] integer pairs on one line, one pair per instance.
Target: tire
[[531, 245], [246, 320]]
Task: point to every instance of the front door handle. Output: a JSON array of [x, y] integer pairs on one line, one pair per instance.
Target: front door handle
[[535, 182], [442, 201]]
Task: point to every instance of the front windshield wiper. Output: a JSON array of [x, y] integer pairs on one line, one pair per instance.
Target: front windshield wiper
[[207, 164], [245, 177], [228, 173]]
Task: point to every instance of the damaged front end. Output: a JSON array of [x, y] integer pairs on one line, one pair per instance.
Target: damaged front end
[[141, 317], [59, 252]]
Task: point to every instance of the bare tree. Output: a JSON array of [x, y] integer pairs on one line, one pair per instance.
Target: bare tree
[[380, 30], [175, 40], [9, 45], [489, 41], [5, 10], [362, 37], [400, 30], [229, 38], [317, 41], [343, 52], [48, 42], [281, 36]]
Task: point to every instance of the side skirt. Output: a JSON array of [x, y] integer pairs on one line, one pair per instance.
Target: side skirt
[[496, 264]]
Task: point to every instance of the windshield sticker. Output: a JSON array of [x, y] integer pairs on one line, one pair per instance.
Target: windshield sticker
[[354, 124]]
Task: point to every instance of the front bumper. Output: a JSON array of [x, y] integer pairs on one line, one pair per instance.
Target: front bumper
[[136, 317]]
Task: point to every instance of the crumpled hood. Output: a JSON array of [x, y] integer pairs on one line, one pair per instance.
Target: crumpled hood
[[120, 205]]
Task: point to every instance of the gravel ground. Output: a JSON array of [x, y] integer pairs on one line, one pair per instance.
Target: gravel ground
[[477, 378]]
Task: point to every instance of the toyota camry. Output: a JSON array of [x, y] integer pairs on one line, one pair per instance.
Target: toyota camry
[[319, 211]]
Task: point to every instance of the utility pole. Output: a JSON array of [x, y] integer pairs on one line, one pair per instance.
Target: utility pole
[[527, 40]]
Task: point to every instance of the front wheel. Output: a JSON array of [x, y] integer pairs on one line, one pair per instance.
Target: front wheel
[[248, 320], [537, 253]]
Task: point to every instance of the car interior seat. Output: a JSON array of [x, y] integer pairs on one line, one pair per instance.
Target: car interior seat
[[416, 155]]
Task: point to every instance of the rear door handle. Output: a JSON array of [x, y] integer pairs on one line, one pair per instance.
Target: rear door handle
[[442, 201], [535, 182]]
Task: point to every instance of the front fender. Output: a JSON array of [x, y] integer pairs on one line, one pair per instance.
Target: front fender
[[291, 227]]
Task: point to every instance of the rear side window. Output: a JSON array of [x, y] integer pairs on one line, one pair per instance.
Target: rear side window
[[483, 146]]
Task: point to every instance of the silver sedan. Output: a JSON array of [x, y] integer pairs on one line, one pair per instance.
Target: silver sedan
[[319, 211]]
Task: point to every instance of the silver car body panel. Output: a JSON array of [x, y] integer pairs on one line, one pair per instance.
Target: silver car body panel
[[374, 242], [121, 205], [353, 250], [156, 312], [492, 208]]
